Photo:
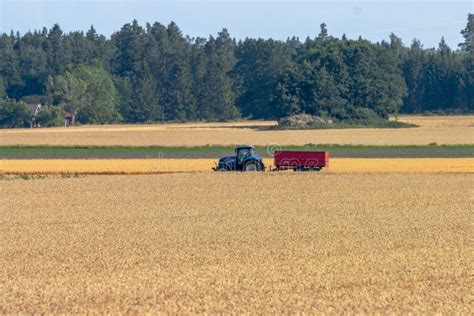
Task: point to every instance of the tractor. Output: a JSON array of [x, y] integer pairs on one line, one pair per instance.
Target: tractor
[[245, 159]]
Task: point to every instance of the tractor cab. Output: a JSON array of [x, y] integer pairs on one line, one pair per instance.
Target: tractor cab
[[245, 159], [242, 152]]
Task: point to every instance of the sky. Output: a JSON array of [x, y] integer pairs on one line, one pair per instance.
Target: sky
[[278, 19]]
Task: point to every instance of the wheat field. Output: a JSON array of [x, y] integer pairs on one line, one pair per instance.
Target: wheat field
[[246, 243], [439, 130], [145, 166], [171, 236]]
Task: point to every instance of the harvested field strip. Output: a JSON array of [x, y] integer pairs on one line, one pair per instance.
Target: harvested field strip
[[202, 137], [440, 130], [128, 152], [144, 166], [438, 120]]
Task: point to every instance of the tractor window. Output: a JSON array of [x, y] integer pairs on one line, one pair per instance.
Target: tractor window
[[243, 153]]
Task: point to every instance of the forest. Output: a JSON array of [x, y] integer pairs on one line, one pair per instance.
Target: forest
[[154, 73]]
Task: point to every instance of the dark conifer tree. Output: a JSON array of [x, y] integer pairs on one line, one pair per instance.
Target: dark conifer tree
[[158, 74]]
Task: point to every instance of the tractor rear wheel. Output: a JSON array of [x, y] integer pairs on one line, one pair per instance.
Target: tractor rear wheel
[[251, 167]]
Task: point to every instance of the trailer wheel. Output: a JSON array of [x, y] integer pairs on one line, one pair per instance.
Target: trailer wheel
[[251, 167]]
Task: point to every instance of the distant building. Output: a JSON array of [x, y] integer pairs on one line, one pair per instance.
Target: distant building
[[34, 108], [68, 119]]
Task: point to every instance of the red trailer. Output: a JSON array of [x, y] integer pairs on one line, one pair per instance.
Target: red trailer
[[301, 160]]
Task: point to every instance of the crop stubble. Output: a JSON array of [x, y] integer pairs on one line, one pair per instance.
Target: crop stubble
[[247, 243]]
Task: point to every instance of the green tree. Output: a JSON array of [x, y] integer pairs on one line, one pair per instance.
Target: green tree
[[343, 79], [58, 56], [468, 34], [178, 100], [149, 109], [9, 65], [14, 114], [323, 34], [2, 88], [100, 96], [50, 116], [260, 64], [218, 96], [396, 47], [69, 91], [199, 64], [287, 98], [466, 75], [466, 84], [98, 47], [129, 50], [126, 100], [87, 93], [76, 43], [412, 67], [32, 64]]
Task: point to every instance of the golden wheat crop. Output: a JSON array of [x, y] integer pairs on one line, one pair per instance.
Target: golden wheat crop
[[242, 243], [438, 121], [440, 130], [139, 166], [402, 165]]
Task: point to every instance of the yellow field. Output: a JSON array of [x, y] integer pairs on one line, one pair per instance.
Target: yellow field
[[363, 236], [141, 166], [438, 121], [440, 130], [246, 243]]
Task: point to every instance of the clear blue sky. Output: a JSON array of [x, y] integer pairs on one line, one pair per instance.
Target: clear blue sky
[[374, 20]]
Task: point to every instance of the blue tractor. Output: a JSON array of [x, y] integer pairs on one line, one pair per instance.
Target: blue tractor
[[245, 159]]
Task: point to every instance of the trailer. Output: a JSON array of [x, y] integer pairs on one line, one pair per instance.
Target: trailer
[[301, 160]]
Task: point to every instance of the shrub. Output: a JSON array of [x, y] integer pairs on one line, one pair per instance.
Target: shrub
[[303, 120], [14, 114], [50, 116]]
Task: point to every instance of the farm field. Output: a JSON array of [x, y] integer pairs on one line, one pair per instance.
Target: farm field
[[384, 243], [439, 130], [385, 229], [146, 166]]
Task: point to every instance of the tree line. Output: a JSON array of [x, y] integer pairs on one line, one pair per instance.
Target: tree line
[[154, 73]]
